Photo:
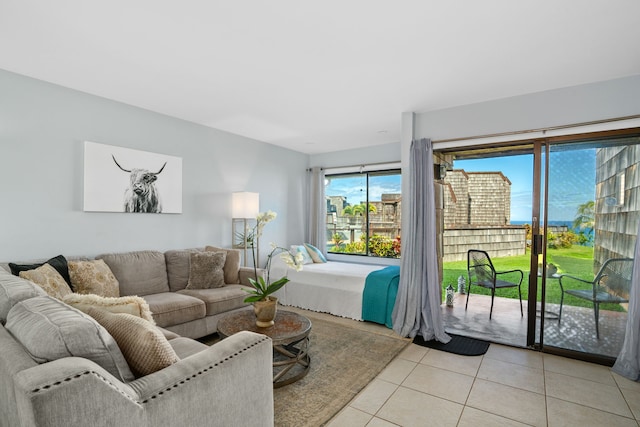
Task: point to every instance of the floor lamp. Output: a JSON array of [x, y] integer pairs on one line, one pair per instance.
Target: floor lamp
[[244, 209]]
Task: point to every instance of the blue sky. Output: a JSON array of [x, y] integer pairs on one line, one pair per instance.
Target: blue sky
[[355, 187], [572, 177]]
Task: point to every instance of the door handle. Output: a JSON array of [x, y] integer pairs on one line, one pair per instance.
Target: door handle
[[537, 244]]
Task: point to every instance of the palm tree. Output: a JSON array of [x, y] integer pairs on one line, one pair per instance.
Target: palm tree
[[585, 216], [348, 211], [358, 210]]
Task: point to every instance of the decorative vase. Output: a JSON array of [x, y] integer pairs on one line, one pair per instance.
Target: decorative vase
[[265, 312]]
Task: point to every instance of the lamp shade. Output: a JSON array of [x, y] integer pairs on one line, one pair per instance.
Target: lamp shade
[[245, 204]]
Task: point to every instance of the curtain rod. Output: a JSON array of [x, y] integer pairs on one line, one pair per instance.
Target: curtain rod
[[550, 128], [356, 166]]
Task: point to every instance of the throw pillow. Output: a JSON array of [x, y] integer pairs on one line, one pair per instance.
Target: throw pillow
[[231, 264], [50, 329], [13, 290], [93, 277], [139, 272], [205, 271], [178, 262], [315, 254], [59, 263], [133, 305], [306, 258], [144, 346], [48, 279]]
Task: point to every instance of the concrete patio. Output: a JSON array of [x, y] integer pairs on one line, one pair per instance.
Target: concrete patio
[[575, 332]]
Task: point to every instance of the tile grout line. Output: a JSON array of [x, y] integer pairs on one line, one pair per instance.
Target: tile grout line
[[544, 387]]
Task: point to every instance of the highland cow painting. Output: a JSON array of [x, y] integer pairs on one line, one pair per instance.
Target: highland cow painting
[[118, 179]]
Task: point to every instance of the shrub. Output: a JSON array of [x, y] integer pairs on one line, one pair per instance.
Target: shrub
[[563, 240], [354, 248], [384, 246]]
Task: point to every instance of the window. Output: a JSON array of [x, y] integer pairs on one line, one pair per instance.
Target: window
[[363, 213]]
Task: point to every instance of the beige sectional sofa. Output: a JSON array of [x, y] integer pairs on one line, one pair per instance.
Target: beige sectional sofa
[[161, 279], [59, 366]]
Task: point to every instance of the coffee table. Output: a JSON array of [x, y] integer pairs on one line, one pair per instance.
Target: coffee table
[[290, 338]]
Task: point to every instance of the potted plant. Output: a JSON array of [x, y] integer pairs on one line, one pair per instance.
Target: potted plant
[[264, 304]]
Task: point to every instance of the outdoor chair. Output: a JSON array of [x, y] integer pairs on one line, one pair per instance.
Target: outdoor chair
[[482, 273], [610, 285]]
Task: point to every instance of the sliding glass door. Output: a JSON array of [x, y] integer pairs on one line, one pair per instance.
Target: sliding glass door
[[590, 214], [563, 210], [487, 203]]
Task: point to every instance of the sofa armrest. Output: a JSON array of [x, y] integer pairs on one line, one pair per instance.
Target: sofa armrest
[[230, 383], [246, 273], [71, 391]]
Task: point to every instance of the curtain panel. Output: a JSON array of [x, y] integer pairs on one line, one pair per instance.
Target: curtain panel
[[316, 226], [628, 361], [417, 308]]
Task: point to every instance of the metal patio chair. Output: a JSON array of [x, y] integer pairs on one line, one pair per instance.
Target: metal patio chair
[[610, 286], [482, 273]]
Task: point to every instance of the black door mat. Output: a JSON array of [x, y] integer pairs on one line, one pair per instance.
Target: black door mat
[[459, 345]]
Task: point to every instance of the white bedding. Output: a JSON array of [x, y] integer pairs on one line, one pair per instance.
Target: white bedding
[[331, 287]]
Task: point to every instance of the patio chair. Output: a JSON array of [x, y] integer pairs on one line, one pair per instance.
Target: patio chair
[[610, 285], [482, 273]]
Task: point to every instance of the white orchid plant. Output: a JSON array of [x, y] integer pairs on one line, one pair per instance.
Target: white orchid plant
[[263, 287]]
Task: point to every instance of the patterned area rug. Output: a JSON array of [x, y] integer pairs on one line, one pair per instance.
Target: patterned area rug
[[345, 356], [343, 361]]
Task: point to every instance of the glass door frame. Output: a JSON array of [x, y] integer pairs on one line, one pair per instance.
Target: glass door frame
[[540, 147], [538, 243]]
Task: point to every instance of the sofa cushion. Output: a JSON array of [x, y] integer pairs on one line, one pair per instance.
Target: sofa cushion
[[205, 270], [144, 346], [185, 347], [93, 277], [13, 290], [49, 330], [59, 263], [131, 304], [172, 308], [139, 273], [219, 300], [231, 264], [170, 335], [48, 279], [178, 262]]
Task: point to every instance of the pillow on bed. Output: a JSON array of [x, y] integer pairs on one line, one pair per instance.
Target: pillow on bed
[[315, 254], [306, 258]]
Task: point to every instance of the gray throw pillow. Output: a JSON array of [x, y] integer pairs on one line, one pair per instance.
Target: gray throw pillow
[[231, 264], [14, 289], [49, 330], [206, 270]]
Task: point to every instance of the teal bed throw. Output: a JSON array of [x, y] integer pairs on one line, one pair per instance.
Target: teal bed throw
[[379, 296]]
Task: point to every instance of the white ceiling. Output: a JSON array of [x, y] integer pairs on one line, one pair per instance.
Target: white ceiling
[[317, 76]]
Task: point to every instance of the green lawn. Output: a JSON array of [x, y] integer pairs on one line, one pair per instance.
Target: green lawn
[[577, 261]]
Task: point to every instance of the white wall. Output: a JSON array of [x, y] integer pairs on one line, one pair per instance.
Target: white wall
[[42, 129], [360, 156], [566, 106]]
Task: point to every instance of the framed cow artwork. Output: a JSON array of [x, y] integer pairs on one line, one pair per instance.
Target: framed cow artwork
[[118, 179]]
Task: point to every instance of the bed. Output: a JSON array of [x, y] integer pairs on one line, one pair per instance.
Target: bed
[[332, 287]]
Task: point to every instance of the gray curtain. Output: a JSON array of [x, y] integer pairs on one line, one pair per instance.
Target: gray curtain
[[316, 226], [628, 361], [417, 309]]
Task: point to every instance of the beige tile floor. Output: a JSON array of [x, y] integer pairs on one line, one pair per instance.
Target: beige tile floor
[[507, 386]]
